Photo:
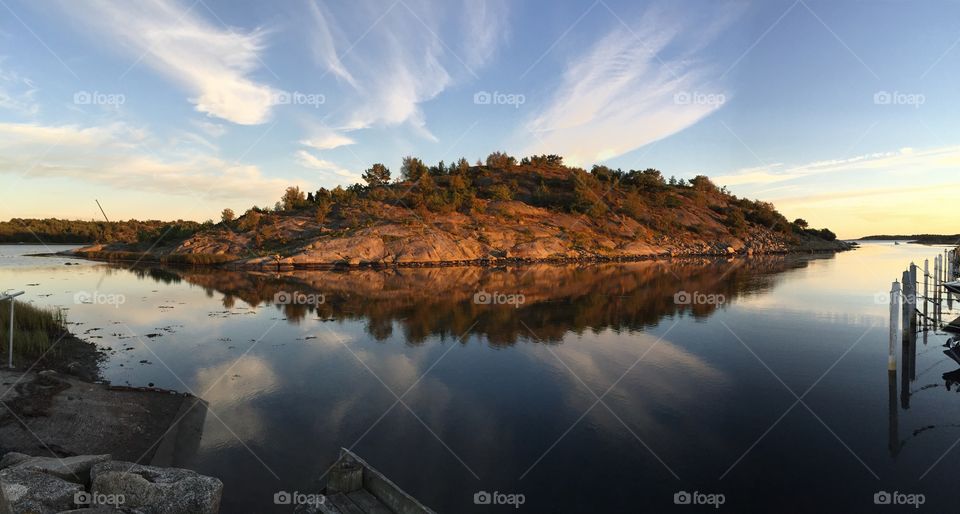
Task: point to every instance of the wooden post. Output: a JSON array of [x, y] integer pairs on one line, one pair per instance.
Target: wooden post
[[944, 265], [894, 325], [345, 477], [905, 305], [936, 292], [913, 296], [926, 290]]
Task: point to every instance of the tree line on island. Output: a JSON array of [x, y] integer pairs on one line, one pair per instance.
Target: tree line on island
[[541, 181]]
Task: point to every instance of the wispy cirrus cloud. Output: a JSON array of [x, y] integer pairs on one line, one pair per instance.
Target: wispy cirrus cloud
[[308, 160], [212, 63], [326, 139], [484, 31], [17, 93], [127, 158], [867, 194], [631, 87], [397, 56], [905, 159]]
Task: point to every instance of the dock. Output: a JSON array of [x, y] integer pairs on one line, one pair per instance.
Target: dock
[[921, 307], [355, 487]]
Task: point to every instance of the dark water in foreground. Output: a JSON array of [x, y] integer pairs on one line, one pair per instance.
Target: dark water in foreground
[[505, 397]]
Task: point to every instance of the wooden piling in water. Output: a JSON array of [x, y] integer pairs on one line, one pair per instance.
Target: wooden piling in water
[[894, 325], [926, 291], [905, 306], [913, 296], [936, 292]]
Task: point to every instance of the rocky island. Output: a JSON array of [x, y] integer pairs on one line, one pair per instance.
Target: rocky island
[[494, 212]]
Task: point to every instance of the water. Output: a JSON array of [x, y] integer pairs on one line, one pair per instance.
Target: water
[[449, 397]]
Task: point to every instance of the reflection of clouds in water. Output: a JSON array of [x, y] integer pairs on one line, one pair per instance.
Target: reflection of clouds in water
[[667, 379], [230, 390]]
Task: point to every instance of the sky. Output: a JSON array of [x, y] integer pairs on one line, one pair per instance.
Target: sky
[[840, 112]]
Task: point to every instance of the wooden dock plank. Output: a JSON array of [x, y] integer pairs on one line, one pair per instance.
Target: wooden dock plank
[[368, 502], [343, 504]]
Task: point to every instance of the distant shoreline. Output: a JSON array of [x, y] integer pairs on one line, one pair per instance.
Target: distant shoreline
[[924, 239]]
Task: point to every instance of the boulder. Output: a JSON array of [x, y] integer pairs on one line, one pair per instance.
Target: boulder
[[154, 490], [5, 507], [74, 469], [93, 510], [34, 491], [11, 458]]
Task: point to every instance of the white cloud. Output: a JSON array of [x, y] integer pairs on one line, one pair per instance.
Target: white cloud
[[327, 139], [323, 45], [211, 62], [210, 128], [17, 93], [906, 159], [625, 92], [125, 158], [484, 30], [396, 61], [309, 160]]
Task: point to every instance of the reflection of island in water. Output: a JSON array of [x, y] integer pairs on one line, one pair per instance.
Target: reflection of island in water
[[557, 299]]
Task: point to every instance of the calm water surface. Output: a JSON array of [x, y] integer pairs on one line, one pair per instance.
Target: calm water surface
[[449, 397]]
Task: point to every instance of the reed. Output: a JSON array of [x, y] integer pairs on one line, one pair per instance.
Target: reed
[[34, 328]]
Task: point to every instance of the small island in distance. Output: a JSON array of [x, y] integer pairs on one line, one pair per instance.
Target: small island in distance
[[494, 212]]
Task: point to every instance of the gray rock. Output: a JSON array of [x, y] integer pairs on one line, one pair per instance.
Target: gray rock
[[154, 490], [92, 510], [12, 458], [33, 491], [75, 469], [4, 504]]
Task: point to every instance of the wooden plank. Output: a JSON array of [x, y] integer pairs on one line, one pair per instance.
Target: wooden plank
[[368, 503], [344, 504]]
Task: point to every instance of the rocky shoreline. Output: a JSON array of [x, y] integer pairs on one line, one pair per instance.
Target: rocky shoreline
[[358, 257]]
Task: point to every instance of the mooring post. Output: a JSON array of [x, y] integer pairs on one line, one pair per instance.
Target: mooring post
[[10, 343], [926, 290], [913, 296], [894, 325], [936, 292], [905, 305], [944, 268]]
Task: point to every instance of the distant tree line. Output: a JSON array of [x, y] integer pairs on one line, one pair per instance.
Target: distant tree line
[[53, 230]]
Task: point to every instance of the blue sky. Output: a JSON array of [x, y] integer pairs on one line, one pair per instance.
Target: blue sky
[[842, 112]]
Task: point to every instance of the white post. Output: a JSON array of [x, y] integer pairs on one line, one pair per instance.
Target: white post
[[894, 325], [10, 346], [10, 297]]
